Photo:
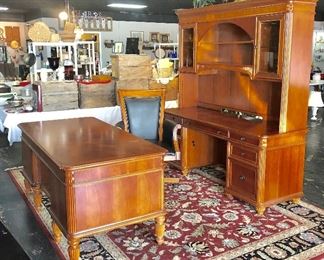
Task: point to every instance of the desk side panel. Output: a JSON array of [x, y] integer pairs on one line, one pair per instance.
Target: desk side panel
[[284, 167], [120, 192]]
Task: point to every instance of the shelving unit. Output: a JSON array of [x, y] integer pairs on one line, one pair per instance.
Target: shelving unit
[[166, 46], [64, 50], [162, 48]]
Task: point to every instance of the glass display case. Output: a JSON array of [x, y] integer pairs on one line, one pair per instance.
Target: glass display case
[[269, 63]]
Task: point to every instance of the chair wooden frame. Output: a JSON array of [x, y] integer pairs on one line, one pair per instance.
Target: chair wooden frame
[[142, 93], [150, 93]]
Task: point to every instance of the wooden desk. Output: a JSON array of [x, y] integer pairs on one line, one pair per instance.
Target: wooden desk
[[96, 176], [264, 167]]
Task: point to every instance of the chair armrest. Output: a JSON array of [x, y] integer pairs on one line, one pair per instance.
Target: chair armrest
[[120, 125], [176, 142]]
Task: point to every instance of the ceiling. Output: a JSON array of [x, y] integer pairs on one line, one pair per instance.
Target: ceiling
[[157, 10]]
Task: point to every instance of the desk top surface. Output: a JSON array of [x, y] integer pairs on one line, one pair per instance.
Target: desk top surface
[[84, 142], [211, 118]]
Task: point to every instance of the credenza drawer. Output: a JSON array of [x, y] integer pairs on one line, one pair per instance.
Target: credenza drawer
[[244, 154], [244, 138], [243, 179]]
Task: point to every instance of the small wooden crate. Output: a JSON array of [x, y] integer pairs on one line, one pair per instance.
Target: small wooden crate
[[131, 66], [131, 84], [59, 95], [171, 88], [97, 95]]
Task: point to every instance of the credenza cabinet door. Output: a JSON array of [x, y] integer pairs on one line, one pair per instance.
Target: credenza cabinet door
[[188, 48], [269, 46]]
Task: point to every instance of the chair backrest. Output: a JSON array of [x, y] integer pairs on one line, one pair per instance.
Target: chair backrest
[[143, 112]]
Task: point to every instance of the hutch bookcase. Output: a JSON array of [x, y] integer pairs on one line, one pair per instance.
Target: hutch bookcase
[[244, 86]]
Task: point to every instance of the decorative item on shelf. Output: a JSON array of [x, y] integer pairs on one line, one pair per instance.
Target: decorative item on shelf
[[54, 63], [137, 34], [154, 37], [2, 37], [39, 32], [68, 33], [118, 48], [164, 37], [92, 20], [109, 44], [202, 3]]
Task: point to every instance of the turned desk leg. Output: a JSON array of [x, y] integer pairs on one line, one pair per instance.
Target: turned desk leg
[[37, 197], [185, 171], [260, 209], [159, 229], [56, 232], [296, 200], [74, 248]]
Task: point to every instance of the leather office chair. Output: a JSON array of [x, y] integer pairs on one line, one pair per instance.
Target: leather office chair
[[143, 115]]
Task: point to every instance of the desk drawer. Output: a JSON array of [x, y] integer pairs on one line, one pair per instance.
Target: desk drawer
[[244, 138], [209, 130], [243, 179], [244, 154]]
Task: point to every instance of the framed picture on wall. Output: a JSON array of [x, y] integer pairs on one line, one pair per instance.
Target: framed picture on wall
[[118, 47], [137, 34], [164, 37], [154, 37]]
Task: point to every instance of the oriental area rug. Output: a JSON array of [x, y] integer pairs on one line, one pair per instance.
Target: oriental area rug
[[202, 222]]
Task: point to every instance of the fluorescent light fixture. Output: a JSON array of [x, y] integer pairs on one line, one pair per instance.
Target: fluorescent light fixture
[[3, 8], [129, 6]]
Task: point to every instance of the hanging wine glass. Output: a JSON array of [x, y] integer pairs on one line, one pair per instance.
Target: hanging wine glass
[[54, 63]]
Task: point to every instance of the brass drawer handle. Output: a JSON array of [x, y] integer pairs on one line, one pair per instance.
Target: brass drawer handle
[[242, 154], [242, 178], [242, 138]]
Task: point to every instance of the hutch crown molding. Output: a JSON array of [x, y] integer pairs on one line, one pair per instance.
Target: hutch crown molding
[[243, 94]]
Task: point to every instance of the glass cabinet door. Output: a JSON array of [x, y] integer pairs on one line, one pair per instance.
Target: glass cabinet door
[[269, 46], [188, 49]]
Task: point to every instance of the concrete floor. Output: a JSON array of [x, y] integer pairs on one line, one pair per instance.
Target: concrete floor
[[20, 221]]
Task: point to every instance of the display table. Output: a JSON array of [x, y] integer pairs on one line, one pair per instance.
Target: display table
[[10, 121]]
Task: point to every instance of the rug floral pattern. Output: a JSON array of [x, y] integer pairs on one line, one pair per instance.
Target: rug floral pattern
[[204, 223]]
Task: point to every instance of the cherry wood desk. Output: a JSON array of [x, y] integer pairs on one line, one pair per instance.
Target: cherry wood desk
[[263, 166], [97, 177]]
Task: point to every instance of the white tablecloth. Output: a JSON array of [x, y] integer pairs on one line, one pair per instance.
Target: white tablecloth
[[110, 115]]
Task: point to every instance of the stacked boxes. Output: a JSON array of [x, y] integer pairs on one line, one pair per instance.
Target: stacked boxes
[[131, 71], [97, 95], [59, 95]]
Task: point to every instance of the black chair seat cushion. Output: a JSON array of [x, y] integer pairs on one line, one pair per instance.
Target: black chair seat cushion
[[143, 117]]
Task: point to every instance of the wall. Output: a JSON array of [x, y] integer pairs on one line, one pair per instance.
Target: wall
[[121, 30]]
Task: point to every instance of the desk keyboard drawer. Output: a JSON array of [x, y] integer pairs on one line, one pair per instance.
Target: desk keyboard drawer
[[238, 151], [244, 138], [209, 130], [243, 179], [176, 119]]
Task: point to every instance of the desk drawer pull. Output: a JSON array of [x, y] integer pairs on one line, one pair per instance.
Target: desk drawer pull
[[242, 138], [242, 154], [242, 178]]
